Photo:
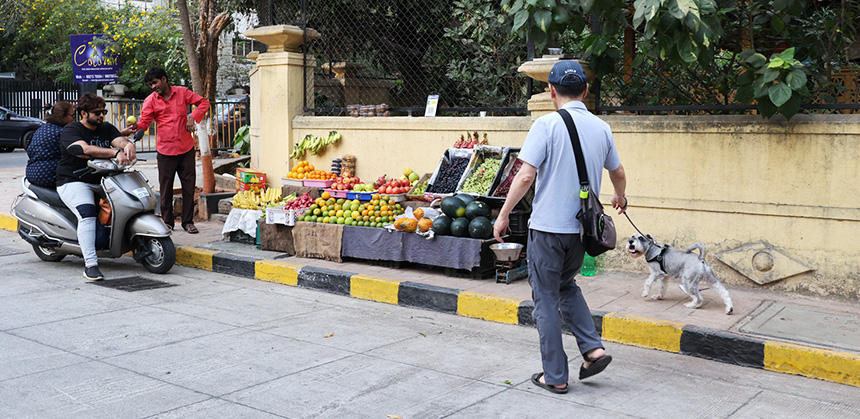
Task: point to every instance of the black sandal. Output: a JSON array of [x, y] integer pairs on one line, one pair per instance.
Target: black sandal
[[597, 365], [536, 381]]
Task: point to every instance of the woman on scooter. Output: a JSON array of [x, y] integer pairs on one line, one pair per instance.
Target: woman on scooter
[[44, 150], [89, 138]]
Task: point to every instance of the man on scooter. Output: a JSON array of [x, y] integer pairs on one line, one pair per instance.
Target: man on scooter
[[89, 138]]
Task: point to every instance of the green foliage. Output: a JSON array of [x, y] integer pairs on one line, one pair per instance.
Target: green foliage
[[242, 141], [485, 73], [701, 51], [141, 39]]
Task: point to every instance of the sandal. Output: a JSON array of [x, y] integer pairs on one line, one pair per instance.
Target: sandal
[[597, 365], [190, 229], [536, 381]]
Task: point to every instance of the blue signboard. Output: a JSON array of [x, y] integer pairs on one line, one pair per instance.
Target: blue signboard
[[90, 63]]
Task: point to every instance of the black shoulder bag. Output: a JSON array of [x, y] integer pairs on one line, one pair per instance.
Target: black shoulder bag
[[598, 230]]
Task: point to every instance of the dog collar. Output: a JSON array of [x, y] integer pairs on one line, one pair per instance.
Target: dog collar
[[659, 258]]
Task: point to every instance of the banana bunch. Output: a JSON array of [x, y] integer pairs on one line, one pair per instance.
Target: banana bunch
[[314, 144], [270, 197], [246, 200], [254, 200]]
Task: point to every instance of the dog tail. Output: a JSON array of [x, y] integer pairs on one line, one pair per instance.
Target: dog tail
[[701, 248]]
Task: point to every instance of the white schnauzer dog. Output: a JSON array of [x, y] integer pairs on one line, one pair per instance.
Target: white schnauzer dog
[[664, 260]]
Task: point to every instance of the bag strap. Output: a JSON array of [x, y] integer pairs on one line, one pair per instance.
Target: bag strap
[[577, 150]]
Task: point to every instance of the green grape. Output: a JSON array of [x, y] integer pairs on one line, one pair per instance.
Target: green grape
[[481, 179]]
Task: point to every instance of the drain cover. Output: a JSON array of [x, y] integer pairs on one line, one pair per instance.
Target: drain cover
[[132, 284], [8, 251]]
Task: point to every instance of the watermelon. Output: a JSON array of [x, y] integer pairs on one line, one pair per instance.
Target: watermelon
[[442, 225], [460, 227], [477, 209], [480, 228], [453, 207], [466, 198]]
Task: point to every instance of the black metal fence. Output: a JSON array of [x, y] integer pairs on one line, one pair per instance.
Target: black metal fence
[[29, 98], [400, 52]]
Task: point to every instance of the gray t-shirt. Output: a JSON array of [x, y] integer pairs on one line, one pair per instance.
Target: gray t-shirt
[[547, 147]]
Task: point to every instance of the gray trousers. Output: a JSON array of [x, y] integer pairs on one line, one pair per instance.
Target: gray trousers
[[81, 198], [554, 259]]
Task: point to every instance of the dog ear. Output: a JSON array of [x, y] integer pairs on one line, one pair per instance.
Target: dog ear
[[649, 237]]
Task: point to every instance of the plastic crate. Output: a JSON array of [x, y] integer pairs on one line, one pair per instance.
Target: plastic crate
[[337, 193], [397, 197], [313, 183], [419, 197], [482, 152], [292, 182], [449, 153], [518, 223], [361, 196]]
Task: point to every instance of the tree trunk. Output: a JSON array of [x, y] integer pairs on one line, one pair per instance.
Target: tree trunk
[[202, 53]]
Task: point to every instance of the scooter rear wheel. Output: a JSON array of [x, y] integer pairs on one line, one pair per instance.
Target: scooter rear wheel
[[47, 254], [161, 254]]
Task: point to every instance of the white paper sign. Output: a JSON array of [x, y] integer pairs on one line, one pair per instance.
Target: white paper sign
[[432, 102]]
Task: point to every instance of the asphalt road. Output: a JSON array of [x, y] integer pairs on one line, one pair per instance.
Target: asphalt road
[[213, 345], [15, 159]]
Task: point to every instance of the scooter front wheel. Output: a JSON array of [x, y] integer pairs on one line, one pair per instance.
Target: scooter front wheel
[[47, 254], [160, 254]]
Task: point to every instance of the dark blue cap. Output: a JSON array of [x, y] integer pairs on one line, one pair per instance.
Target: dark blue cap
[[567, 73]]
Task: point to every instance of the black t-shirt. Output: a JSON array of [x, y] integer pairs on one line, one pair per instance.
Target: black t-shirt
[[69, 163]]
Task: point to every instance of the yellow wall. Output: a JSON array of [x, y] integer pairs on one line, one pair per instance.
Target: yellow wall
[[721, 180]]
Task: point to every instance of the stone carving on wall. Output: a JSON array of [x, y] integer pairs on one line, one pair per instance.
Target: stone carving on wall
[[762, 263]]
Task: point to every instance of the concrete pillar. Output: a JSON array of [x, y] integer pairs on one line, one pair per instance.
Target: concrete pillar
[[540, 104], [277, 94]]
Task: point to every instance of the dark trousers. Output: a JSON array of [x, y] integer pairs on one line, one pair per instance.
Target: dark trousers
[[168, 167], [554, 260]]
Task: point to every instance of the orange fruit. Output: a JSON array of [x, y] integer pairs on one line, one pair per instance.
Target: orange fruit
[[325, 195]]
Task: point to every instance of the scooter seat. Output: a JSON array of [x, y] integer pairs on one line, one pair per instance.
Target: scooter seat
[[47, 195]]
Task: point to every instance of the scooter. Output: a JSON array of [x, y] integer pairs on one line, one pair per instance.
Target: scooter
[[50, 227]]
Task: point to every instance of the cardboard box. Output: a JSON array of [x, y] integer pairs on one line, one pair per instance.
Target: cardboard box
[[249, 176], [242, 186]]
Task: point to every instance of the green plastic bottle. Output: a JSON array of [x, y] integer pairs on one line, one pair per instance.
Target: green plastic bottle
[[589, 266]]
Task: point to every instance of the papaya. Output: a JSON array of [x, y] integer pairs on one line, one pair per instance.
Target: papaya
[[425, 224], [406, 224], [418, 213]]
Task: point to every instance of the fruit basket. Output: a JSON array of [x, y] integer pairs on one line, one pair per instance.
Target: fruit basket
[[510, 166], [292, 182], [361, 196], [318, 183], [448, 172], [337, 193], [483, 170], [416, 193], [397, 197]]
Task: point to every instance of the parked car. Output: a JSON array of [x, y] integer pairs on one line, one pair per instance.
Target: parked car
[[16, 130], [230, 114]]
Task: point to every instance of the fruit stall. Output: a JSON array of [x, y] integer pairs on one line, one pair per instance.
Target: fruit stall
[[442, 219]]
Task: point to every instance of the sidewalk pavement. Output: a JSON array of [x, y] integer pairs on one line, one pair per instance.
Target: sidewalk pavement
[[810, 336]]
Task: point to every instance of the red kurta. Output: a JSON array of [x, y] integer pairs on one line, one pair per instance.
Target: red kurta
[[171, 115]]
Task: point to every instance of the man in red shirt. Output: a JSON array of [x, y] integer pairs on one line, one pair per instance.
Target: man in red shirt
[[168, 106]]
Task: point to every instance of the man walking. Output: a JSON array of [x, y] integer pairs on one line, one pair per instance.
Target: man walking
[[168, 106], [555, 250]]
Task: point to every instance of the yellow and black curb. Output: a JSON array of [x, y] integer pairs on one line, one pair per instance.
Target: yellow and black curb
[[717, 345]]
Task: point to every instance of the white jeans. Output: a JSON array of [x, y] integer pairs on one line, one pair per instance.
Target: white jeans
[[81, 198]]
